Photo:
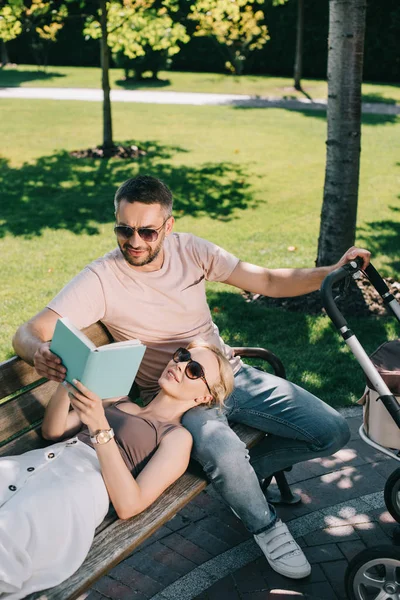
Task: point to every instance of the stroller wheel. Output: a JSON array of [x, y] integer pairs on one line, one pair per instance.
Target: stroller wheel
[[392, 495], [374, 574]]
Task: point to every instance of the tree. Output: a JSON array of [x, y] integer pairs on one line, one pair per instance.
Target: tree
[[140, 31], [41, 19], [345, 64], [10, 27], [237, 26], [298, 61]]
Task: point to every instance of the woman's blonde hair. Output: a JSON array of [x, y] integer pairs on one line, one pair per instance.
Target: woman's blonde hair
[[224, 386]]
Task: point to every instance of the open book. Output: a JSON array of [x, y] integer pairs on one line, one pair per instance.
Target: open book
[[108, 371]]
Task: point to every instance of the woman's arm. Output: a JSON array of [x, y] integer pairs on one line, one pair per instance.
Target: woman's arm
[[59, 421], [129, 496]]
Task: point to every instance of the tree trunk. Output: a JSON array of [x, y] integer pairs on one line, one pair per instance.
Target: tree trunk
[[298, 63], [345, 64], [4, 54], [105, 82]]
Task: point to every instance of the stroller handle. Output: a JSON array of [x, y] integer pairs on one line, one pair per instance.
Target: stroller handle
[[326, 290], [340, 322]]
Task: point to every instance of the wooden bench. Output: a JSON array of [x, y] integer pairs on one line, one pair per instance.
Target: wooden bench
[[23, 398]]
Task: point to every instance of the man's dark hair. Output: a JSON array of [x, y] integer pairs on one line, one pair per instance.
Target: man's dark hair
[[145, 189]]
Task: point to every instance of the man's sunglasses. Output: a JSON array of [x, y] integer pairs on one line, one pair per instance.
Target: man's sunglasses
[[193, 369], [147, 234]]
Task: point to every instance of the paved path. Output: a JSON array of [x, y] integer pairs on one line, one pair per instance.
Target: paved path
[[195, 99], [205, 553]]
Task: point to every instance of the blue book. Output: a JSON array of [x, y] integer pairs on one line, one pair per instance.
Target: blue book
[[108, 371]]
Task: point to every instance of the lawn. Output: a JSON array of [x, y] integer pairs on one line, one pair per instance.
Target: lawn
[[248, 179], [278, 87]]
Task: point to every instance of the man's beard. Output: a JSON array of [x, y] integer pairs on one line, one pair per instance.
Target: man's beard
[[151, 255]]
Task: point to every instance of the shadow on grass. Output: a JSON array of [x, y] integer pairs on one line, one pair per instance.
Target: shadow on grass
[[62, 192], [15, 77], [316, 111], [312, 351], [146, 83], [382, 237], [378, 98]]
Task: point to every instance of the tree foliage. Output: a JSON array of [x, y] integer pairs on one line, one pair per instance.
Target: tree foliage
[[44, 18], [137, 27], [237, 25], [41, 19]]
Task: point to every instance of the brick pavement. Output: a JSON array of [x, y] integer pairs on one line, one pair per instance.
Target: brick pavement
[[205, 553]]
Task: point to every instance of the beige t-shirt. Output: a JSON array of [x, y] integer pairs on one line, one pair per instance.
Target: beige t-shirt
[[165, 309]]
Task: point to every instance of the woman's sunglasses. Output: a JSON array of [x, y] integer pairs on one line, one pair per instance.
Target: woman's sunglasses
[[145, 233], [193, 369]]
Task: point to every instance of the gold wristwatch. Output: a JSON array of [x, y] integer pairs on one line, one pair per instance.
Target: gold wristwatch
[[102, 436]]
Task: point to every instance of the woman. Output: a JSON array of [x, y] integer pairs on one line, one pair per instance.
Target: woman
[[52, 499]]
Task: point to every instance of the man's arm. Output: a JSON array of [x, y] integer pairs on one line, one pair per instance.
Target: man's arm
[[278, 283], [31, 342]]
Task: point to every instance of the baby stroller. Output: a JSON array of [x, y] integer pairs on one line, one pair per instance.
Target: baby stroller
[[374, 573]]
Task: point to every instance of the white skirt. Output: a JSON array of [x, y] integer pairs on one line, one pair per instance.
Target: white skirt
[[51, 501]]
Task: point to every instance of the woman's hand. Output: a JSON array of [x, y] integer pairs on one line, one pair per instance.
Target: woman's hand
[[88, 406]]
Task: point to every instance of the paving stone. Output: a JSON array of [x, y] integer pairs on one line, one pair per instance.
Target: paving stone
[[290, 595], [224, 589], [168, 557], [141, 582], [350, 549], [318, 591], [143, 563], [331, 535], [334, 572], [93, 595], [251, 578], [222, 531], [208, 502], [354, 425], [339, 486], [177, 523], [186, 548], [204, 539], [157, 535], [226, 516], [116, 591], [387, 467], [322, 553], [371, 455], [372, 534], [192, 513]]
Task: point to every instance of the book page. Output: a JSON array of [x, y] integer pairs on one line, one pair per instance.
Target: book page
[[116, 345]]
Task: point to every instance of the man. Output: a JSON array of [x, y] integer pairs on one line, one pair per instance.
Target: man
[[153, 287]]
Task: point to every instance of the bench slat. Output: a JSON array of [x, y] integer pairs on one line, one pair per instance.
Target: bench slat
[[22, 412], [28, 441], [117, 541], [16, 373]]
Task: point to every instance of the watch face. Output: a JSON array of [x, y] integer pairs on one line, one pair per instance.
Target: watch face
[[103, 437]]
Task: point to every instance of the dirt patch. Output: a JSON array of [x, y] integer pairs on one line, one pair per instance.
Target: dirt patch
[[118, 151], [358, 298]]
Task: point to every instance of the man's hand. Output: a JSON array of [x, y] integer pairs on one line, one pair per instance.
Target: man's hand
[[48, 364], [352, 253]]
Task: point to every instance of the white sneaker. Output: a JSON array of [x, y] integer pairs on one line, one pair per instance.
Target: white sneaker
[[282, 552]]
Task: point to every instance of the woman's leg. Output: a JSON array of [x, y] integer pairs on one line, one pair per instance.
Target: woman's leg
[[47, 522]]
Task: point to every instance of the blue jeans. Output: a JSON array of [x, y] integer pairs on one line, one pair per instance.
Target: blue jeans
[[299, 427]]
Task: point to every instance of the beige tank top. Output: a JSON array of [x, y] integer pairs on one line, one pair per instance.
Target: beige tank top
[[137, 437]]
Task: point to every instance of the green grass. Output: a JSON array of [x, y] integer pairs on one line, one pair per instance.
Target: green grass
[[248, 179], [279, 87]]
